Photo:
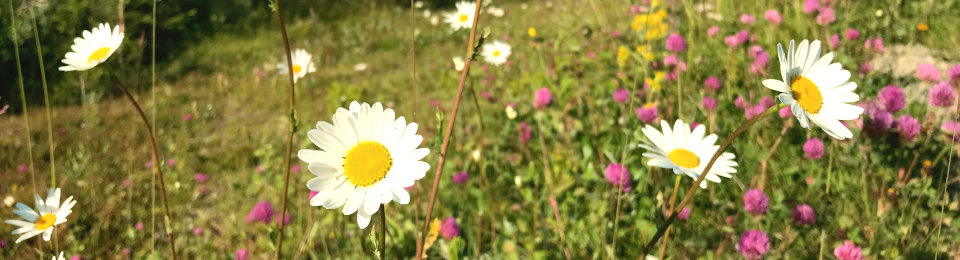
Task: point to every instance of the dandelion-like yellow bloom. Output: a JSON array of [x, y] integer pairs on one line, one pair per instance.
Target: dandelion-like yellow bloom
[[922, 26], [532, 32], [622, 55]]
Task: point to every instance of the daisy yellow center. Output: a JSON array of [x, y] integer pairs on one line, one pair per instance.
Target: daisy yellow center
[[464, 18], [45, 221], [496, 53], [807, 94], [367, 163], [297, 68], [684, 158], [98, 54]]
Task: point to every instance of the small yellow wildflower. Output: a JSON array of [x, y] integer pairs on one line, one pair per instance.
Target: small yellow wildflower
[[643, 21], [432, 235], [922, 26], [532, 32], [622, 55], [644, 51], [654, 82], [656, 32]]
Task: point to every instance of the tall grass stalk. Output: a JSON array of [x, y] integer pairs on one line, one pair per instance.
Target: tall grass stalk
[[696, 184], [23, 95], [46, 101], [449, 130], [946, 183], [292, 102], [626, 135], [155, 149], [548, 175], [670, 212], [153, 120], [416, 102]]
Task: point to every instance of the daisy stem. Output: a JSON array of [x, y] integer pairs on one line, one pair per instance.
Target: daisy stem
[[694, 187], [292, 102], [156, 167], [23, 96], [46, 101], [449, 129], [382, 230]]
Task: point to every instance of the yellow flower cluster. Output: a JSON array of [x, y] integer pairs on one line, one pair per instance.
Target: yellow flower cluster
[[622, 54], [654, 82], [645, 52], [651, 25]]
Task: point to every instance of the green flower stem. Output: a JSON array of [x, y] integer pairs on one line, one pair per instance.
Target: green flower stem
[[292, 102], [168, 229], [23, 96], [46, 102]]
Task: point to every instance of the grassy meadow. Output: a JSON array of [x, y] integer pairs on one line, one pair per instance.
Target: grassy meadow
[[537, 160]]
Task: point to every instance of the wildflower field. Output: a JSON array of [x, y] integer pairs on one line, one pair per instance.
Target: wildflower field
[[504, 129]]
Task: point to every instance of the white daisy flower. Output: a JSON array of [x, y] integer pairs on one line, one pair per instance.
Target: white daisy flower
[[458, 63], [496, 52], [815, 89], [301, 64], [495, 11], [94, 48], [366, 158], [49, 213], [58, 257], [686, 152], [462, 18]]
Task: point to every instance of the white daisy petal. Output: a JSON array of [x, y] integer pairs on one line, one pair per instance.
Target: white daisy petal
[[363, 220]]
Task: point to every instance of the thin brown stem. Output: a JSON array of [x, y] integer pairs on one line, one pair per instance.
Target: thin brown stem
[[553, 197], [293, 129], [449, 130], [693, 187], [156, 168]]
